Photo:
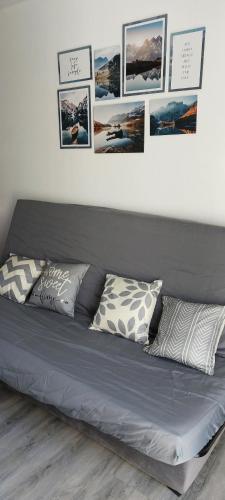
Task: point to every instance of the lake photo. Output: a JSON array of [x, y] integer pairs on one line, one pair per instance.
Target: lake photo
[[177, 115], [144, 56], [119, 128], [107, 73], [74, 117]]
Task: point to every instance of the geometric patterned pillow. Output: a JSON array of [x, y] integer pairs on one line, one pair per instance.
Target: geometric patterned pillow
[[189, 333], [126, 307], [17, 277]]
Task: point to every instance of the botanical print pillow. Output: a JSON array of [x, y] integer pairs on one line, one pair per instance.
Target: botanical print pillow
[[189, 333], [18, 275], [126, 307], [58, 287]]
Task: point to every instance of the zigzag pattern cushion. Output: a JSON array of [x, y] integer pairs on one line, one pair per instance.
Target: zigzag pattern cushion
[[17, 277], [189, 333]]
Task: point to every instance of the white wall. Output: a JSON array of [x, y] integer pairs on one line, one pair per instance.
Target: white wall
[[182, 176]]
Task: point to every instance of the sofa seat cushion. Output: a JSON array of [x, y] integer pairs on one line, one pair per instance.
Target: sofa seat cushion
[[161, 408]]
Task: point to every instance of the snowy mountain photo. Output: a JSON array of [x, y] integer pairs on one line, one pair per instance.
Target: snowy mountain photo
[[144, 61], [119, 128], [173, 115]]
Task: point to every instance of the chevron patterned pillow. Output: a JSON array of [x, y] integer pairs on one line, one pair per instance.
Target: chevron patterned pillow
[[189, 333], [17, 277]]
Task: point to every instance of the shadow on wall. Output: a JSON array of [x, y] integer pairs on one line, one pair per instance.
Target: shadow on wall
[[5, 220]]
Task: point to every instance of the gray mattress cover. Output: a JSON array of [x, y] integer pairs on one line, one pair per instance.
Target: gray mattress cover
[[164, 410], [188, 257]]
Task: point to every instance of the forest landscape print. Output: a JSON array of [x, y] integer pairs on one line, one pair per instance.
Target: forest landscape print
[[119, 128], [74, 117], [173, 116], [107, 73], [144, 56]]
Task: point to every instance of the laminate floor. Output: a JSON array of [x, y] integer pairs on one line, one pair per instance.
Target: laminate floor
[[42, 458]]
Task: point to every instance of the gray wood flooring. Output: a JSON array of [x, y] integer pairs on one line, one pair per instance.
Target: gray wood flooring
[[42, 458]]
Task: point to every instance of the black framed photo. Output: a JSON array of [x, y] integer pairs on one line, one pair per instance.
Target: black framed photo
[[74, 106], [186, 59], [75, 65], [144, 56]]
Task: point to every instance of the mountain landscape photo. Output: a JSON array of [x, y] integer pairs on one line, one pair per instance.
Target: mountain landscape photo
[[173, 116], [107, 73], [119, 128], [74, 117], [144, 52]]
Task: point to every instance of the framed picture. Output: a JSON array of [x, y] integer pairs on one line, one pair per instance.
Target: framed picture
[[144, 56], [74, 117], [107, 73], [177, 115], [119, 128], [186, 59], [75, 65]]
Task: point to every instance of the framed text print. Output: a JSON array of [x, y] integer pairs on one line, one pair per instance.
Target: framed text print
[[144, 56], [186, 59], [74, 117], [75, 65]]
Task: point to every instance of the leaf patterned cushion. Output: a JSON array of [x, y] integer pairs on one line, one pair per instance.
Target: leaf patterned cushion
[[189, 333], [126, 307]]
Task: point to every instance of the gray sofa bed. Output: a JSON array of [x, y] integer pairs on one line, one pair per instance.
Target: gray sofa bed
[[163, 417]]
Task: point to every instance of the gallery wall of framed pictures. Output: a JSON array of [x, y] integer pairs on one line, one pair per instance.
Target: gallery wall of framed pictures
[[120, 77]]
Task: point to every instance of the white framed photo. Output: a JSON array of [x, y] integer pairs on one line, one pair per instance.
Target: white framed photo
[[75, 65], [107, 73], [186, 59]]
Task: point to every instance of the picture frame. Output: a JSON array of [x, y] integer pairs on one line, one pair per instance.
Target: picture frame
[[141, 73], [75, 65], [186, 59], [74, 111]]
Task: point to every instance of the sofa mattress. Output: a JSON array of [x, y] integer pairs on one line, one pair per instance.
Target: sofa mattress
[[165, 410]]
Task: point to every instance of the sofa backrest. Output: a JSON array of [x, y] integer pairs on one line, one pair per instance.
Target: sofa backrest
[[188, 257]]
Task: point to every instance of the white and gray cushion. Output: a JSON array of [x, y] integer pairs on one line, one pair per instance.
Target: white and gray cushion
[[126, 307], [189, 333], [18, 275], [58, 287]]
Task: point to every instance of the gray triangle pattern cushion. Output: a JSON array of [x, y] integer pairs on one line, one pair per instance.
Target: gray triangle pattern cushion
[[189, 333], [126, 307], [17, 277]]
